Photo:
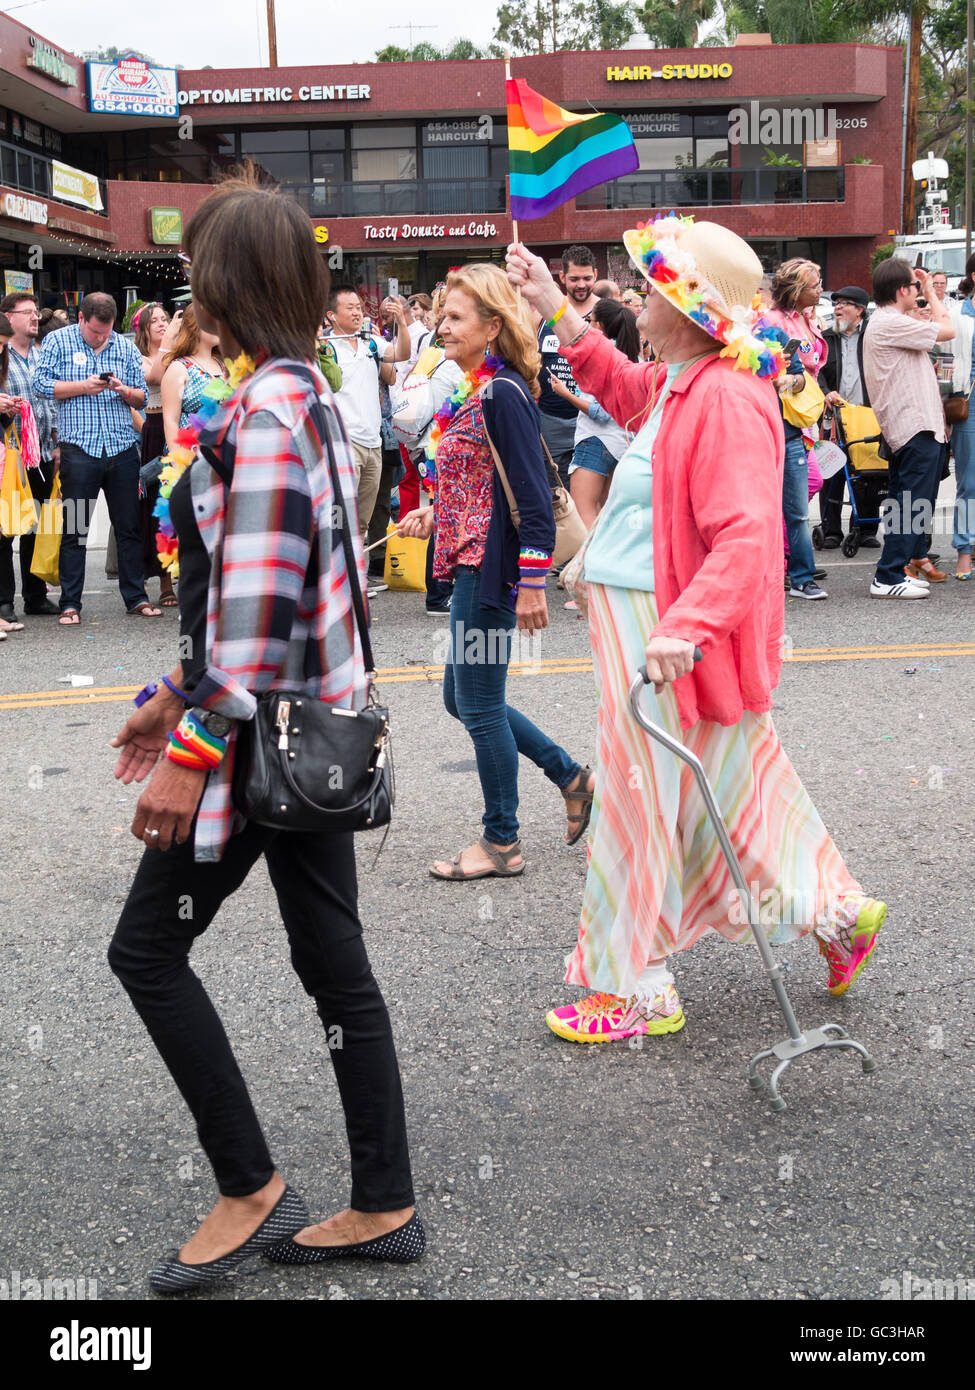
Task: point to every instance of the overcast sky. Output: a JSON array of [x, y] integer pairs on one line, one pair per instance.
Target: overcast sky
[[227, 35]]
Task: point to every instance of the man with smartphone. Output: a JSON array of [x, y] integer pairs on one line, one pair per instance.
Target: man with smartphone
[[906, 399], [96, 377]]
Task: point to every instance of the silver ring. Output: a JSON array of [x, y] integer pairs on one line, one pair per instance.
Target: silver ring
[[153, 834]]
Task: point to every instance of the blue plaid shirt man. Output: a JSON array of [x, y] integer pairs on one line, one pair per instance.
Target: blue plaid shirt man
[[100, 424], [98, 446]]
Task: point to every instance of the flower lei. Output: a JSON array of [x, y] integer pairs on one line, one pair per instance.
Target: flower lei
[[469, 386], [183, 452], [745, 335]]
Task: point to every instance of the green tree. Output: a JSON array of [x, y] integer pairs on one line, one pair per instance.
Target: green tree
[[675, 23], [460, 49], [805, 21], [555, 26]]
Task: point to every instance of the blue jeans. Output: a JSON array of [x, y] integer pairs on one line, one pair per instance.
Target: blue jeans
[[795, 509], [915, 472], [963, 448], [82, 478], [474, 692]]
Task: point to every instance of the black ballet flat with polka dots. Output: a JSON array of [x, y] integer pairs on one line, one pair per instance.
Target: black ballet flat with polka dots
[[288, 1216], [402, 1246]]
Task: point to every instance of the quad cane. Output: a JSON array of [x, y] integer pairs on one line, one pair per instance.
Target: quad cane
[[798, 1043]]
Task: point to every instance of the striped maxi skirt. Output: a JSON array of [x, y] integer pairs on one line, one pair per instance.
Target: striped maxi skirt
[[657, 880]]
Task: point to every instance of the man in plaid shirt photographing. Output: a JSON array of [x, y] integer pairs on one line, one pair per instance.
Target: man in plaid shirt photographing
[[96, 377]]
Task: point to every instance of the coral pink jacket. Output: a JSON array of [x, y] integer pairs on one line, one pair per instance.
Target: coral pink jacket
[[717, 519]]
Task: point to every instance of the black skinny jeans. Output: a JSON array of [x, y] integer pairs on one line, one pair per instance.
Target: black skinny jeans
[[314, 878]]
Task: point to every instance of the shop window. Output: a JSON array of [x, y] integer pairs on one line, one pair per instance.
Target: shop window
[[666, 152], [327, 177], [284, 138], [328, 138], [383, 153], [711, 153], [280, 166]]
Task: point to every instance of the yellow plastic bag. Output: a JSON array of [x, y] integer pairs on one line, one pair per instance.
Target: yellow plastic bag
[[804, 407], [47, 542], [406, 562], [17, 515]]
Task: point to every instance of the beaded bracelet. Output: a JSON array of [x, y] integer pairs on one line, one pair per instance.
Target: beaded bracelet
[[191, 746], [550, 323]]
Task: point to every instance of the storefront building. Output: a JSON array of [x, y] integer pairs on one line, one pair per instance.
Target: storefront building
[[402, 167]]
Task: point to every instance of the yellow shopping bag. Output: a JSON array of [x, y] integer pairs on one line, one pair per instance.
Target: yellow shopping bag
[[47, 542], [406, 562], [17, 515], [804, 407]]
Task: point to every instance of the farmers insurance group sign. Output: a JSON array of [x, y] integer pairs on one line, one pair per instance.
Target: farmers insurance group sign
[[130, 87]]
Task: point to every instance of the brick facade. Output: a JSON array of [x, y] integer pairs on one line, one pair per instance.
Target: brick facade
[[862, 83]]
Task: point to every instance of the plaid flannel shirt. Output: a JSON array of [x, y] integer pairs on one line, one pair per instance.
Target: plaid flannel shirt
[[96, 424], [20, 382], [279, 606]]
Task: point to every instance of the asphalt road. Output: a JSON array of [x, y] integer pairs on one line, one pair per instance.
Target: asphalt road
[[543, 1170]]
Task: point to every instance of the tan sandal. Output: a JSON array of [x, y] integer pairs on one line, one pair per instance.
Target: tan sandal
[[500, 858], [579, 794]]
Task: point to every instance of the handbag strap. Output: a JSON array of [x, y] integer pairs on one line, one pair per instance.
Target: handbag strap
[[554, 480], [317, 414]]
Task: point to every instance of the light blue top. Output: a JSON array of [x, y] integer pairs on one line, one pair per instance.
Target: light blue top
[[621, 549]]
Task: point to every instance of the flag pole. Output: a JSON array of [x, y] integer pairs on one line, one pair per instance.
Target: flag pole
[[507, 79]]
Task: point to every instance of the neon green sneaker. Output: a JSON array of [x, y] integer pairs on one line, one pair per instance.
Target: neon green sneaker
[[852, 947]]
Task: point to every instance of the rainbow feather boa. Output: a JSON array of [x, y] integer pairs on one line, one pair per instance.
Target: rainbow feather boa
[[177, 459], [472, 382], [754, 343]]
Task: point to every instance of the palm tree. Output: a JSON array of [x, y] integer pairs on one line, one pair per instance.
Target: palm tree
[[675, 23]]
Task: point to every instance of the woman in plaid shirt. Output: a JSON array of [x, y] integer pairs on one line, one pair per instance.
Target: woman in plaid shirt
[[265, 602]]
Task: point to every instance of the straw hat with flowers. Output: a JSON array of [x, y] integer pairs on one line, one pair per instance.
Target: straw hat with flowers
[[711, 276]]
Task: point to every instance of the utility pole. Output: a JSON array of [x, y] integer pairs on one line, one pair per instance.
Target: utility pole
[[914, 81], [272, 36]]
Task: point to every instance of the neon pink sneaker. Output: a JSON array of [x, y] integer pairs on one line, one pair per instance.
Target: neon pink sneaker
[[608, 1018], [852, 947]]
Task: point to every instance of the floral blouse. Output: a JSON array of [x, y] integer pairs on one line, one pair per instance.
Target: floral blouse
[[465, 491]]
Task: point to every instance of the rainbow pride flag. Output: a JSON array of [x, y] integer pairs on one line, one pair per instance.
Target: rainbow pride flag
[[555, 154]]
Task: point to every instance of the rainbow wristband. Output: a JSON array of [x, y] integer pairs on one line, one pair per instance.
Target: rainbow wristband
[[191, 746], [550, 323]]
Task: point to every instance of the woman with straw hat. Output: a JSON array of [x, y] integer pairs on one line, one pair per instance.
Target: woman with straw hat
[[689, 513]]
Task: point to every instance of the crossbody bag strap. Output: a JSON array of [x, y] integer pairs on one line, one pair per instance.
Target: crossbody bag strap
[[325, 438], [554, 472]]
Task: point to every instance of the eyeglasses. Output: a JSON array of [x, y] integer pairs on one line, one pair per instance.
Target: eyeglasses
[[185, 264], [31, 312], [915, 285]]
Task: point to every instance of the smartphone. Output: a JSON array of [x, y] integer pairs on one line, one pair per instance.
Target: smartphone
[[790, 347], [919, 263], [392, 288], [104, 376]]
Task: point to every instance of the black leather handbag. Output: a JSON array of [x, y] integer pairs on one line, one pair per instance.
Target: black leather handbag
[[303, 764]]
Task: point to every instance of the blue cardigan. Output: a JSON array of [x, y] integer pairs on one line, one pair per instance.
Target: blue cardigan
[[513, 422]]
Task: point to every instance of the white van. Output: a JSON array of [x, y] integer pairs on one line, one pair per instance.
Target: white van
[[945, 253]]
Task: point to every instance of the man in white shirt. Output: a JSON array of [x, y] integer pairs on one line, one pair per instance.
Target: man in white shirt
[[366, 361], [904, 393]]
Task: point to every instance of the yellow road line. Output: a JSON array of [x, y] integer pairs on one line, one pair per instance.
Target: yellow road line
[[551, 666]]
